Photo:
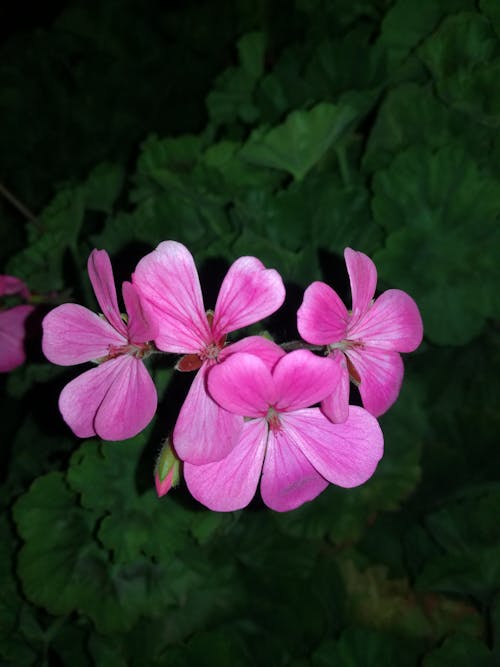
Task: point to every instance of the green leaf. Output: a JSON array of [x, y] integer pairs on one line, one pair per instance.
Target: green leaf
[[460, 651], [407, 23], [24, 378], [441, 211], [363, 647], [103, 186], [40, 264], [491, 9], [301, 141], [405, 118], [64, 570], [388, 604], [468, 534], [232, 97], [464, 58]]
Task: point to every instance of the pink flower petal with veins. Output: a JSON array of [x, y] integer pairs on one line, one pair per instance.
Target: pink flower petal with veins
[[168, 283], [288, 478], [115, 400], [248, 293], [322, 318], [363, 279], [12, 333], [73, 334], [345, 454], [381, 373], [302, 379], [336, 405], [140, 328], [230, 484], [103, 282], [204, 432], [243, 385], [392, 323], [261, 347]]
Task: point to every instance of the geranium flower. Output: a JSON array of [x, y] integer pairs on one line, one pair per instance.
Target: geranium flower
[[295, 447], [364, 343], [169, 285], [117, 399], [13, 324]]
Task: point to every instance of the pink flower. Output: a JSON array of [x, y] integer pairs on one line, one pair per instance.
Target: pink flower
[[13, 324], [168, 283], [297, 449], [364, 343], [117, 399]]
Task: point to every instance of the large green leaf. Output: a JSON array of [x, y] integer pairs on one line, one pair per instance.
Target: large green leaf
[[464, 58], [441, 213], [302, 140], [468, 534]]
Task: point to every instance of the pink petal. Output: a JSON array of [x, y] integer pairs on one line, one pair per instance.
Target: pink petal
[[140, 329], [336, 405], [381, 374], [392, 323], [363, 279], [168, 281], [12, 332], [288, 479], [103, 282], [322, 317], [249, 293], [116, 400], [73, 334], [12, 285], [302, 379], [345, 454], [230, 484], [204, 431], [243, 385], [261, 347]]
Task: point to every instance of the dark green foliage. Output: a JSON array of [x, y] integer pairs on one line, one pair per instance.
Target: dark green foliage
[[287, 131]]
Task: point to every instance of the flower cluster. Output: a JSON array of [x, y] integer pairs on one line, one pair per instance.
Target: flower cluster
[[254, 412]]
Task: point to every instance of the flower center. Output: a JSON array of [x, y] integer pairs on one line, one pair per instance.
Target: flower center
[[137, 351], [273, 419], [210, 352], [344, 345]]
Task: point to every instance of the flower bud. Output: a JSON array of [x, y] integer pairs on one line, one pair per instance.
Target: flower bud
[[167, 469]]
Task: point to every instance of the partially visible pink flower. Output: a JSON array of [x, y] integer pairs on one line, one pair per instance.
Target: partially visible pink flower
[[168, 283], [13, 324], [363, 343], [117, 399], [295, 447]]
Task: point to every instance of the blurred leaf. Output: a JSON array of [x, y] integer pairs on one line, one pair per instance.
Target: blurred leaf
[[301, 141], [103, 186], [392, 605], [58, 227], [464, 58], [460, 651], [404, 120], [407, 23], [468, 534], [231, 98], [363, 647], [23, 378], [492, 11], [441, 214]]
